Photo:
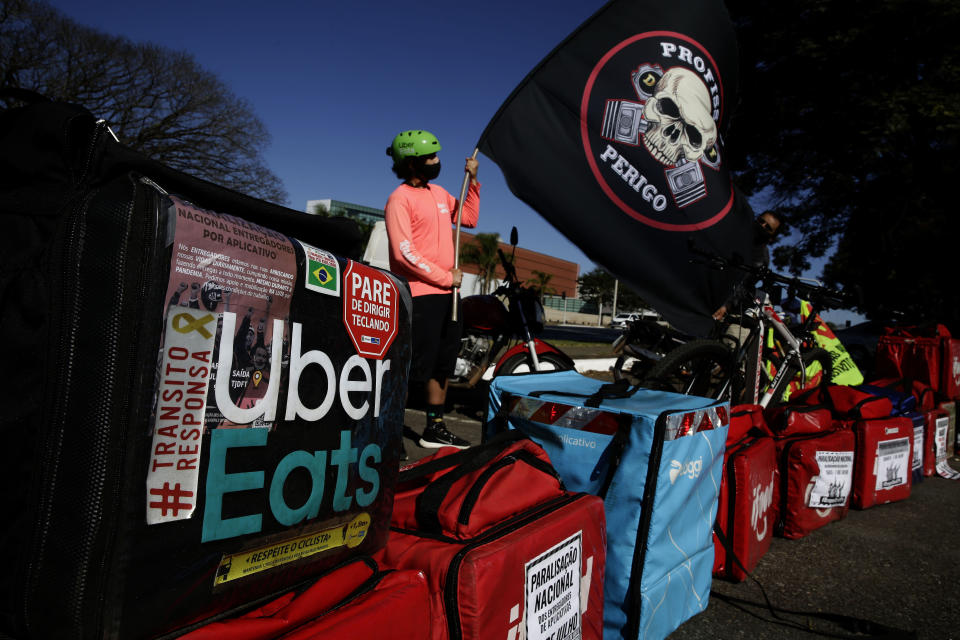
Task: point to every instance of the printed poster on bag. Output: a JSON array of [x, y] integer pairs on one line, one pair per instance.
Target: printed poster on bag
[[917, 447], [940, 441], [892, 466], [228, 277], [552, 592], [832, 486]]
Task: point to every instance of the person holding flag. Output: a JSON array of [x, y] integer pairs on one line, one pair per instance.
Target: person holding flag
[[419, 216]]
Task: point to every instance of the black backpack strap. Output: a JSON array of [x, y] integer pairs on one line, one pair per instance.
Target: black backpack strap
[[500, 422], [858, 408], [616, 449], [612, 390]]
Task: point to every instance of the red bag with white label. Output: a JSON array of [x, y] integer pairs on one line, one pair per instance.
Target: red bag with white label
[[950, 377], [816, 476], [355, 600], [882, 472], [937, 427], [749, 495], [502, 543]]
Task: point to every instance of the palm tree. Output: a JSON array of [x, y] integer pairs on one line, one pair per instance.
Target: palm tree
[[539, 282], [484, 255]]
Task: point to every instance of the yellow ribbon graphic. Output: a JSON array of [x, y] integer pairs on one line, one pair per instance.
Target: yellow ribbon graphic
[[193, 324]]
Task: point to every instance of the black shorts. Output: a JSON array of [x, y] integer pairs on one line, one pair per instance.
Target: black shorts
[[436, 339]]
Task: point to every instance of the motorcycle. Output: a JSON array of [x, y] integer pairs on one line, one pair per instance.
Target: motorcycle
[[490, 326], [641, 346]]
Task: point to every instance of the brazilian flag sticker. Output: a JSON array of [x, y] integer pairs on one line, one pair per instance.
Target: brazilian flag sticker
[[323, 271]]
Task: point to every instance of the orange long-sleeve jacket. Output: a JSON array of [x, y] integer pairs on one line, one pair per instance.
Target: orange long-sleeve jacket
[[421, 240]]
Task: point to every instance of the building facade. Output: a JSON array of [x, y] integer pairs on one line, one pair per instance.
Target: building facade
[[364, 215]]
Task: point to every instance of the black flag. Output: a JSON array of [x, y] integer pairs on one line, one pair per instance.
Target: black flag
[[616, 139]]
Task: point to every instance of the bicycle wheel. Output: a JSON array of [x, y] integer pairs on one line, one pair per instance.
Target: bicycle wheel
[[817, 371], [699, 368]]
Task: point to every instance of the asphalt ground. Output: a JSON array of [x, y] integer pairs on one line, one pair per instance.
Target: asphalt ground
[[896, 564]]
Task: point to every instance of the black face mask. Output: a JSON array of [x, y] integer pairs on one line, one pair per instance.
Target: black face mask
[[430, 171]]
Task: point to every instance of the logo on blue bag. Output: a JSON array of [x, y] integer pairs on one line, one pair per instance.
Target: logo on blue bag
[[691, 469], [579, 442]]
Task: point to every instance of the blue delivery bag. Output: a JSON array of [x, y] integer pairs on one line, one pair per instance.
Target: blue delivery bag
[[656, 459]]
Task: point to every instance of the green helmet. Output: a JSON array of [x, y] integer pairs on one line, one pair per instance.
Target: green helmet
[[413, 143]]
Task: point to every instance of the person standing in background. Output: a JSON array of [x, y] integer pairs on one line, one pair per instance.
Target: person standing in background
[[419, 216]]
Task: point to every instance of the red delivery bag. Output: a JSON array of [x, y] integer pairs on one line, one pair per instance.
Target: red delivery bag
[[506, 550], [929, 454], [923, 392], [789, 420], [354, 600], [935, 449], [912, 352], [748, 501], [882, 472], [816, 476], [950, 375], [850, 403], [950, 406]]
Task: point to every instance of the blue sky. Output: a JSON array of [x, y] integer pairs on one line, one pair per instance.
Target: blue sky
[[334, 82]]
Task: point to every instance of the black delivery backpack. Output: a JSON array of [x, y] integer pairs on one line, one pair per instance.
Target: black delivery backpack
[[204, 392]]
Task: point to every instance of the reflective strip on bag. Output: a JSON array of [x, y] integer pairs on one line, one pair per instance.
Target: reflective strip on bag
[[556, 414]]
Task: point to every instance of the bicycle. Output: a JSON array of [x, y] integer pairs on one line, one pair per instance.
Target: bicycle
[[767, 361]]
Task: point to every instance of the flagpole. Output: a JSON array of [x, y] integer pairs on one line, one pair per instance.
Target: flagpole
[[456, 241]]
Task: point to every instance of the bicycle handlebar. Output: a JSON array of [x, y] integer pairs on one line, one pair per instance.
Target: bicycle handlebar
[[823, 295]]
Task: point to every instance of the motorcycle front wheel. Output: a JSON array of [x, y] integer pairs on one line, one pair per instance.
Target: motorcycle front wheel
[[520, 363]]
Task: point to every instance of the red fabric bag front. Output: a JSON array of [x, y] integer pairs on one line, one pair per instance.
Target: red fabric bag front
[[789, 420], [882, 472], [848, 403], [950, 376], [912, 353], [816, 477], [938, 420], [748, 504], [475, 521], [356, 600]]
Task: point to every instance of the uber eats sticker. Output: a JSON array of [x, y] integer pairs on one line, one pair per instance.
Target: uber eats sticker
[[552, 592], [322, 272]]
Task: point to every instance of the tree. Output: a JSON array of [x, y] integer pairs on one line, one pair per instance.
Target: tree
[[848, 122], [596, 286], [157, 101], [483, 253], [627, 298], [540, 281]]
